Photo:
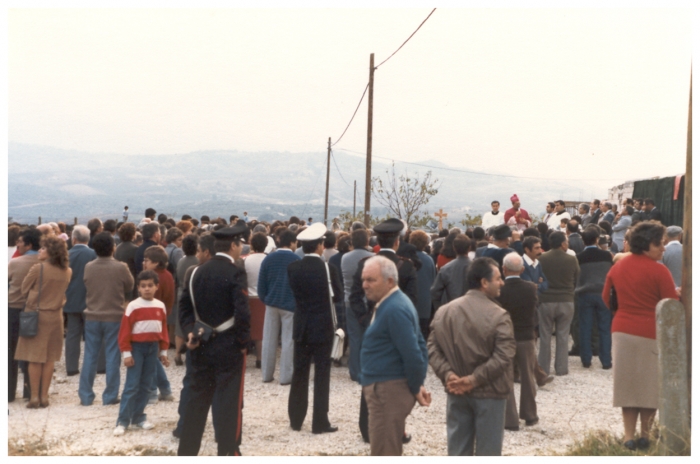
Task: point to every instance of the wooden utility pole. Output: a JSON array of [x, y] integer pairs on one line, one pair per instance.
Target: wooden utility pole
[[368, 169], [687, 277], [354, 199], [328, 176]]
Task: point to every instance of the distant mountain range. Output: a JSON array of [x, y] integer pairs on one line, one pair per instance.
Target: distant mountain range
[[59, 184]]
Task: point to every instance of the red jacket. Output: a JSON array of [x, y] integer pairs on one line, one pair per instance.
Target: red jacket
[[640, 283]]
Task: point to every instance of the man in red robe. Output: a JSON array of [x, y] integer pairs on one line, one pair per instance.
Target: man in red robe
[[516, 215]]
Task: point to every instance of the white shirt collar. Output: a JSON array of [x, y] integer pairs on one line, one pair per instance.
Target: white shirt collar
[[672, 242], [225, 255], [379, 303], [387, 249], [313, 254], [529, 261], [512, 277], [491, 245], [284, 249]]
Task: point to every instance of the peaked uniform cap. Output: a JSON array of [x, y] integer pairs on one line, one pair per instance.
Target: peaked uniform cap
[[390, 226], [231, 233], [314, 232]]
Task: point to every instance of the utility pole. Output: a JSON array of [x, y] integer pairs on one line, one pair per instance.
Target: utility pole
[[368, 169], [687, 281], [354, 199], [328, 175]]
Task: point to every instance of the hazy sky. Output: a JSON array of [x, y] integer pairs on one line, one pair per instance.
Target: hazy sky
[[555, 93]]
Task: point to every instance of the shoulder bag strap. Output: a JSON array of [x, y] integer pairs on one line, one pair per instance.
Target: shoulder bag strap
[[194, 306], [330, 297], [41, 279]]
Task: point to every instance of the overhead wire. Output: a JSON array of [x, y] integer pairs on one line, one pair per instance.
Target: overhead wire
[[469, 171], [409, 38], [353, 114], [338, 169], [376, 67]]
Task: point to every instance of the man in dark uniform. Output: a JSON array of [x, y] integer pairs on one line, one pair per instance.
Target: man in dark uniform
[[310, 280], [389, 241], [219, 299]]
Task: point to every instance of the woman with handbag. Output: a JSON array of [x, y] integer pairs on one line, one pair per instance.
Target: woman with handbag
[[640, 282], [45, 290]]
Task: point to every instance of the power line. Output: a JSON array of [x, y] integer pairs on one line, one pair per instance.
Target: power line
[[409, 38], [338, 169], [353, 114], [311, 195], [475, 172]]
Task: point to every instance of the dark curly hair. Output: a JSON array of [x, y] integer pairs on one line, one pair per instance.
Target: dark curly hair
[[127, 232], [57, 251], [645, 234]]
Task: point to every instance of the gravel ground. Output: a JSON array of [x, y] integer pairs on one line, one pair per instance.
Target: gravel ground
[[568, 408]]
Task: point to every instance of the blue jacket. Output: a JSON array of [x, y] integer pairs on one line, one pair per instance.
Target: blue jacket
[[78, 256], [393, 347], [533, 274], [273, 280], [424, 280]]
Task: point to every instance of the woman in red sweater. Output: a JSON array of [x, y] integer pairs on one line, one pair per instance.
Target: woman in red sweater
[[640, 282]]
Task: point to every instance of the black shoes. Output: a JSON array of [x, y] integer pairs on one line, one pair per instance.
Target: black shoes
[[532, 422], [586, 365], [329, 429], [406, 438], [609, 366], [72, 373], [549, 379], [642, 443], [101, 372], [630, 445], [513, 429], [258, 364]]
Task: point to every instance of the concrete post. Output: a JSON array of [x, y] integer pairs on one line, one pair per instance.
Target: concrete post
[[674, 410]]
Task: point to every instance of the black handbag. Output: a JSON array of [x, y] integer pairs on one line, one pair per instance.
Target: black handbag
[[29, 320]]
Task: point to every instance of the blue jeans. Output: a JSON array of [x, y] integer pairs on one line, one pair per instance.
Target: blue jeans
[[590, 306], [160, 382], [97, 333], [139, 378], [479, 420]]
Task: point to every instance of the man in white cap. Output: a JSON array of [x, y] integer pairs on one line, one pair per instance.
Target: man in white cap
[[314, 285]]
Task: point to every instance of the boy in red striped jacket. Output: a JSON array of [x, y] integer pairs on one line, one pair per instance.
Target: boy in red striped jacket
[[143, 333]]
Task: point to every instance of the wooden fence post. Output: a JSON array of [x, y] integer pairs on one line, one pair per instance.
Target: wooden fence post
[[674, 410]]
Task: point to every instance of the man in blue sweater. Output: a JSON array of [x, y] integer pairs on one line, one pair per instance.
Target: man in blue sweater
[[275, 292], [394, 358]]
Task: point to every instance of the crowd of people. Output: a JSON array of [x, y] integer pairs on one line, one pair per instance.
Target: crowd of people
[[386, 301]]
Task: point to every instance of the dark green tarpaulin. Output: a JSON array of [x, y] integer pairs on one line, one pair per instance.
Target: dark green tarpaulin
[[661, 191]]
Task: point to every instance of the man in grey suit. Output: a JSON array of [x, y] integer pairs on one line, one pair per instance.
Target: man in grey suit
[[79, 255], [584, 210], [673, 255], [608, 214], [620, 229]]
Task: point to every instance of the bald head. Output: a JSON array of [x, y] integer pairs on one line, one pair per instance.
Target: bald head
[[512, 264]]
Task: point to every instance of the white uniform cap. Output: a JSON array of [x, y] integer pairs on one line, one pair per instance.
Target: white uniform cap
[[313, 232]]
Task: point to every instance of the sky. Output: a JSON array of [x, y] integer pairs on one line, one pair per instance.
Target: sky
[[584, 93]]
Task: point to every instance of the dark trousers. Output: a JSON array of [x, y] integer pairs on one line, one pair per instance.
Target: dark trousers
[[185, 393], [364, 418], [299, 393], [576, 332], [13, 337], [220, 386], [591, 308], [424, 328], [526, 360]]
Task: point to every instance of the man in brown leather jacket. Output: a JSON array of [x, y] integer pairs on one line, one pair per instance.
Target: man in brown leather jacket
[[471, 349]]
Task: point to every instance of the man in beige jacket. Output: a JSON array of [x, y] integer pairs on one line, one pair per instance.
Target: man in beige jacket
[[471, 349]]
